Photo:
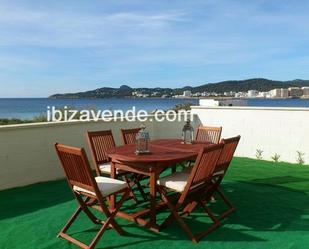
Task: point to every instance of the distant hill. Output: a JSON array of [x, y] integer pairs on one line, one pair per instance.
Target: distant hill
[[259, 84]]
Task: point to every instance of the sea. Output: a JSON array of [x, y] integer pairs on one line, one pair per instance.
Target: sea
[[28, 108]]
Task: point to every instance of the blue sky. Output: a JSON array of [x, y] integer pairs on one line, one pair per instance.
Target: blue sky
[[62, 46]]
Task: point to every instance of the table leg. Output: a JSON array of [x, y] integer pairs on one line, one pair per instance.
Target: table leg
[[113, 197], [153, 192]]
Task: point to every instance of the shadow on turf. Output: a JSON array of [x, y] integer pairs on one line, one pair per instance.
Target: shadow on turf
[[19, 201], [143, 235], [267, 207], [279, 180], [260, 208], [262, 205]]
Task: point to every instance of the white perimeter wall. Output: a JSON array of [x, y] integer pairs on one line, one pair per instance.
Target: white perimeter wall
[[27, 153], [273, 130]]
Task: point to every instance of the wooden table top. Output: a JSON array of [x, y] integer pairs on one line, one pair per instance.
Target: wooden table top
[[161, 150], [176, 144]]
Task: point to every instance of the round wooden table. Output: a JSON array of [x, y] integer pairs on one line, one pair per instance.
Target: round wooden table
[[163, 153]]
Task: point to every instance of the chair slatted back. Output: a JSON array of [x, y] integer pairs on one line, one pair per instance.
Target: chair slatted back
[[76, 167], [100, 142], [208, 134], [227, 153], [129, 135], [204, 166]]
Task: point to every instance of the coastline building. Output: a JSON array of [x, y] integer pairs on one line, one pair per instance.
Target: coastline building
[[275, 93], [279, 93], [155, 94], [204, 94], [187, 94], [240, 95], [229, 94], [197, 94], [252, 93], [222, 102], [295, 92], [263, 94], [140, 94], [305, 90], [284, 93]]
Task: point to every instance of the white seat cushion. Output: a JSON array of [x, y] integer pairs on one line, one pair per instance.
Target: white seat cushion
[[176, 181], [106, 185], [221, 172], [106, 168]]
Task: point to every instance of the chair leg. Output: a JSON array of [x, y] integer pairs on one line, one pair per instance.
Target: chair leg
[[69, 238], [167, 221], [100, 233], [110, 221], [190, 208], [136, 182], [70, 222], [93, 242], [86, 210], [175, 215], [201, 235], [114, 212], [227, 202], [129, 182], [209, 212], [139, 187], [215, 225]]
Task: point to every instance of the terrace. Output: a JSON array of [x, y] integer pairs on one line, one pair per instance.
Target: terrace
[[271, 198], [272, 202]]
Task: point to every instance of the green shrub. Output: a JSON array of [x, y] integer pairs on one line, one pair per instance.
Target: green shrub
[[259, 154], [300, 157], [275, 157]]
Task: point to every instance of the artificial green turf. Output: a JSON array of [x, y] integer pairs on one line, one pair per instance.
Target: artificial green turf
[[272, 212]]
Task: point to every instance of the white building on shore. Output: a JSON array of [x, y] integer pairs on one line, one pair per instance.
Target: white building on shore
[[275, 93], [252, 94], [279, 93], [305, 90], [295, 92], [263, 95], [284, 93], [187, 94]]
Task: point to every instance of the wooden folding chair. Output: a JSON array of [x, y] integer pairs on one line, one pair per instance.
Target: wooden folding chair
[[208, 134], [90, 192], [222, 166], [224, 161], [129, 137], [204, 134], [193, 189], [100, 142]]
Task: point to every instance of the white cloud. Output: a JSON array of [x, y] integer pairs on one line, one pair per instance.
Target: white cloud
[[111, 41], [51, 28]]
